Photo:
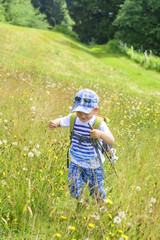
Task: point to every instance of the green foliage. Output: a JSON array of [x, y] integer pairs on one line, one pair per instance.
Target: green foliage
[[2, 11], [64, 29], [55, 10], [114, 46], [93, 19], [139, 57], [138, 23], [22, 13]]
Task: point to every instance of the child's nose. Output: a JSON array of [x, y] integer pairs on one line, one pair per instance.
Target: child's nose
[[83, 115]]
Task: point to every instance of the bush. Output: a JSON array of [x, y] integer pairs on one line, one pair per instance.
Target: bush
[[2, 12], [64, 29], [114, 46], [23, 14]]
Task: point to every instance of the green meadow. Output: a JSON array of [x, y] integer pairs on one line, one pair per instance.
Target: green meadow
[[40, 72]]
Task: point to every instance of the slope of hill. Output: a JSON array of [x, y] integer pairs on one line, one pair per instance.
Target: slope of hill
[[40, 72], [61, 58]]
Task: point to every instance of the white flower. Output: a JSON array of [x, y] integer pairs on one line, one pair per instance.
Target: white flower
[[0, 114], [0, 142], [37, 153], [70, 107], [30, 154], [30, 142], [117, 219], [34, 150], [37, 145], [153, 200], [24, 169], [4, 141], [33, 108], [5, 120], [138, 188], [26, 148], [122, 214], [14, 143]]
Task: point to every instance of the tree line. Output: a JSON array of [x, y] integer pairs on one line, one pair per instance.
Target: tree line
[[136, 22]]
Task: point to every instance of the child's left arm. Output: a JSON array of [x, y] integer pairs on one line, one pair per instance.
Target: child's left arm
[[95, 133]]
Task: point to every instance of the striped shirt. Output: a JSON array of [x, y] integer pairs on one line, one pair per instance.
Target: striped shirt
[[82, 152]]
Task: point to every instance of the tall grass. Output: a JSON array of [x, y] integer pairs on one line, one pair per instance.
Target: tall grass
[[35, 202]]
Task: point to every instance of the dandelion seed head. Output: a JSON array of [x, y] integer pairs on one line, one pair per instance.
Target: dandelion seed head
[[122, 214], [26, 149], [30, 154], [138, 188], [117, 220]]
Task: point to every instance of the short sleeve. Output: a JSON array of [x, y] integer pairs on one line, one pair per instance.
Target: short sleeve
[[104, 128], [65, 121]]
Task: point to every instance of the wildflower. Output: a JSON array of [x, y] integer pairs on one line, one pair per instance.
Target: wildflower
[[72, 228], [111, 234], [5, 141], [138, 188], [153, 200], [5, 120], [125, 236], [0, 142], [30, 154], [14, 143], [24, 169], [122, 215], [117, 220], [110, 216], [37, 153], [120, 231], [91, 225], [108, 201], [37, 145], [26, 148], [58, 235], [107, 238], [63, 217]]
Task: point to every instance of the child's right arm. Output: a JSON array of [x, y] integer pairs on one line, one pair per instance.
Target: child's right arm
[[54, 124]]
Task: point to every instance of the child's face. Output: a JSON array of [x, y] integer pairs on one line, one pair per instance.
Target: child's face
[[84, 117]]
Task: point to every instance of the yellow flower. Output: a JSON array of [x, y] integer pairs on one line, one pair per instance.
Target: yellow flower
[[63, 217], [72, 228], [111, 234], [124, 236], [110, 216], [58, 235], [109, 201], [120, 231], [91, 225], [107, 238]]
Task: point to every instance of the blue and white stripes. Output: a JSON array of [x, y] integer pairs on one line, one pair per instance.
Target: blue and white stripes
[[83, 152]]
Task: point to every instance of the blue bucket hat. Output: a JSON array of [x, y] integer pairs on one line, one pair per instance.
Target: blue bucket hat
[[85, 101]]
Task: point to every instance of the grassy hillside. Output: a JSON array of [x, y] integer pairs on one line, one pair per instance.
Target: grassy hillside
[[40, 72]]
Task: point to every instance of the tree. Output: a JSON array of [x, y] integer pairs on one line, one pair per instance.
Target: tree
[[22, 13], [2, 12], [93, 18], [55, 10], [138, 24]]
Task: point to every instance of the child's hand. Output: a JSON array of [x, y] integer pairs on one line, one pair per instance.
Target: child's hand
[[95, 133], [54, 124]]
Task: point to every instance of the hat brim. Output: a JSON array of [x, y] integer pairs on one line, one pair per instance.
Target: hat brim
[[82, 109]]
